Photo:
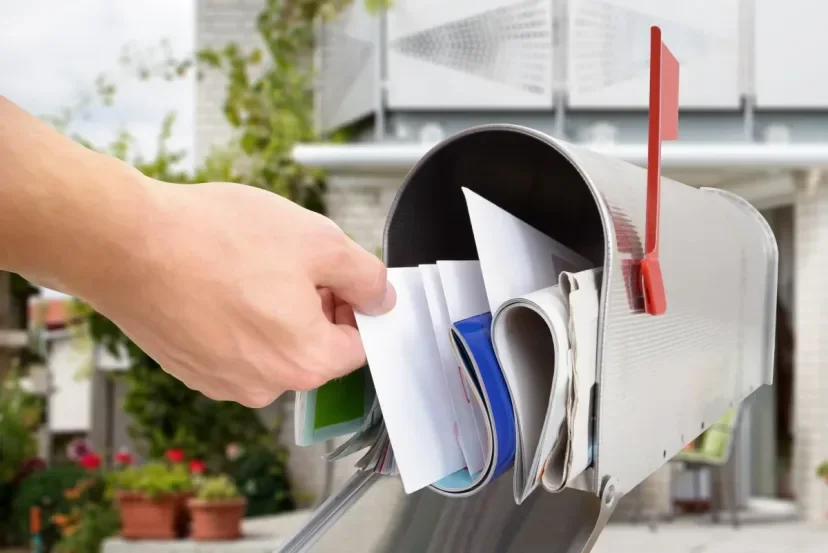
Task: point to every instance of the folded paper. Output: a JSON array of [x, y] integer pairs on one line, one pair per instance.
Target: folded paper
[[531, 339], [582, 291]]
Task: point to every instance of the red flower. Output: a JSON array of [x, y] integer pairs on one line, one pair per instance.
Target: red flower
[[197, 467], [175, 455], [123, 457], [77, 448], [90, 461]]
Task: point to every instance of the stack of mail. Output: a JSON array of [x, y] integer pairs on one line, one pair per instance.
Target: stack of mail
[[483, 366]]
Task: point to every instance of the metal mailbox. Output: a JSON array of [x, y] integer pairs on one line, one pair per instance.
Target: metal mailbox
[[660, 380]]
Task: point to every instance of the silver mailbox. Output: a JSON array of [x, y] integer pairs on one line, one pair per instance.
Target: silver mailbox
[[660, 380]]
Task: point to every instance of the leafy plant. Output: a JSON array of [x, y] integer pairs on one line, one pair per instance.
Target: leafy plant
[[20, 414], [261, 477], [822, 470], [91, 525], [89, 520], [19, 417], [217, 488], [47, 490], [153, 480]]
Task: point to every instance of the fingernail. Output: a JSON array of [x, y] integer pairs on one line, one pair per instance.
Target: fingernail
[[390, 299]]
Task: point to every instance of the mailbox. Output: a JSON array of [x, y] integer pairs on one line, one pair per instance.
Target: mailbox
[[660, 379], [685, 326]]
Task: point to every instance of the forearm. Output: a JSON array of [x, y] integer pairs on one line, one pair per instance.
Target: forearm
[[70, 218]]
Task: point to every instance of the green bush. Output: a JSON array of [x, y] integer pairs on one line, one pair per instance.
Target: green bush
[[261, 478], [216, 488], [94, 523], [19, 417], [45, 489], [153, 479], [7, 492]]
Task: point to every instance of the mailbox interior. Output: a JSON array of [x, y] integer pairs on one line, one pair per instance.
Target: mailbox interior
[[516, 171], [523, 175]]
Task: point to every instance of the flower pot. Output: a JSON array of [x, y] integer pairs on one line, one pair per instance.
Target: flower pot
[[146, 518], [216, 520]]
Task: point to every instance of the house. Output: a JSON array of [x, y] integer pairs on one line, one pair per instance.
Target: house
[[74, 378], [63, 377], [754, 121]]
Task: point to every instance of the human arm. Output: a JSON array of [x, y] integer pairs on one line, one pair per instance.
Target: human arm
[[234, 290]]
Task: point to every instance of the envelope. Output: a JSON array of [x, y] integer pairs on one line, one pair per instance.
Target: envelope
[[406, 368], [515, 258], [458, 276]]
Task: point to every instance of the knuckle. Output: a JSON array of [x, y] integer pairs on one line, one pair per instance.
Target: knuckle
[[259, 400], [309, 380], [329, 247], [329, 236]]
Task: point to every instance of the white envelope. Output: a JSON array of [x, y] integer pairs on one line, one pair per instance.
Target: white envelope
[[466, 297], [464, 288], [408, 377], [471, 439], [515, 258]]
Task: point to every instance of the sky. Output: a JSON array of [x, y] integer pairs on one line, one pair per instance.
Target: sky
[[51, 52]]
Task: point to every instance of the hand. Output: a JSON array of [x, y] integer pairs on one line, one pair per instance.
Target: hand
[[238, 292], [242, 294]]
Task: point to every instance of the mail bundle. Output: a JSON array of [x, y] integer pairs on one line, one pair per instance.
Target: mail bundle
[[484, 366]]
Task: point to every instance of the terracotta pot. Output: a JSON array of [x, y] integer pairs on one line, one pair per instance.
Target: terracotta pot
[[216, 520], [145, 518]]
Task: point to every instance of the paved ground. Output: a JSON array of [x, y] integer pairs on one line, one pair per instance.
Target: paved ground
[[684, 537], [757, 534]]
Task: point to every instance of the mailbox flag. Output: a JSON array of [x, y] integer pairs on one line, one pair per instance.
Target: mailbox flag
[[663, 125], [669, 94]]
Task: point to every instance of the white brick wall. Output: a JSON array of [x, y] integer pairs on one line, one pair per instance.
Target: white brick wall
[[811, 351], [359, 206], [218, 23]]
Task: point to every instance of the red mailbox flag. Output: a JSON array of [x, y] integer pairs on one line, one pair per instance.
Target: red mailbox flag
[[663, 125]]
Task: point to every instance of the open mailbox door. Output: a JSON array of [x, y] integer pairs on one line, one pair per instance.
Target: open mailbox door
[[665, 366]]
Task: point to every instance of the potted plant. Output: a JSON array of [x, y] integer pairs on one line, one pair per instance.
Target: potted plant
[[822, 471], [152, 500], [216, 510]]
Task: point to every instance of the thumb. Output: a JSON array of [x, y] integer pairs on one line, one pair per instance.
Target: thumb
[[355, 277]]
